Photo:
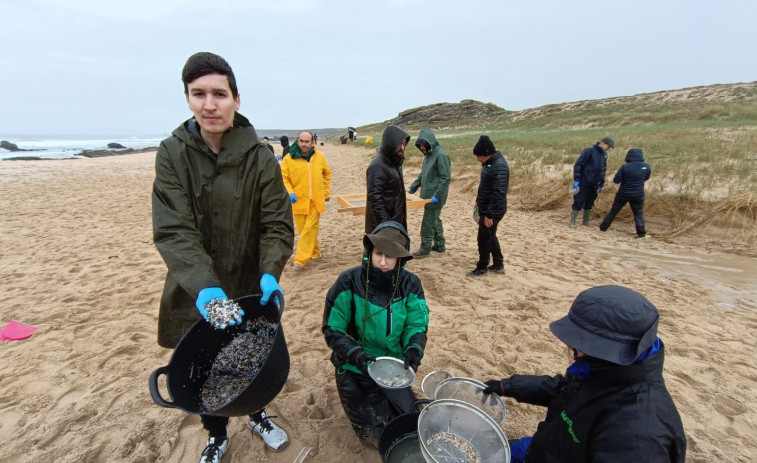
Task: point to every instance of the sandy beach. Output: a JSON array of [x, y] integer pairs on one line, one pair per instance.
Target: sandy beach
[[77, 261]]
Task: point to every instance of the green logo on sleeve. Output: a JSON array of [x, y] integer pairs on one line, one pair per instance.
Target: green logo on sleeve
[[569, 422]]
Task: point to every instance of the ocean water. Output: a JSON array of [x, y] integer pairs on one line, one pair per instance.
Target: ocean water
[[59, 148]]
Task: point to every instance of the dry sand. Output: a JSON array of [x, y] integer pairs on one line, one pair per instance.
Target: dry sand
[[77, 261]]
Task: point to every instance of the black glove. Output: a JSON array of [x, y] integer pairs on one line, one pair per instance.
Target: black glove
[[494, 386], [360, 359], [412, 358]]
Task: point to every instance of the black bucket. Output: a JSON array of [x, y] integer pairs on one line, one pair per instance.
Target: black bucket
[[399, 432], [194, 355]]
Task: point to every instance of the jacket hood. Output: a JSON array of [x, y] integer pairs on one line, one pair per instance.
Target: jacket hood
[[189, 132], [428, 136], [391, 139], [648, 369], [635, 155]]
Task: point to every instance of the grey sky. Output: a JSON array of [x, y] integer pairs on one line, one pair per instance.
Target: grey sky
[[87, 67]]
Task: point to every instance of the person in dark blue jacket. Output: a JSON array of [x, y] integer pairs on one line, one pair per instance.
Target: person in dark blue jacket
[[631, 177], [611, 405], [491, 202], [589, 176]]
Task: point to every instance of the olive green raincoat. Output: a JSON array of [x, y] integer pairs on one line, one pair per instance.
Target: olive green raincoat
[[218, 220]]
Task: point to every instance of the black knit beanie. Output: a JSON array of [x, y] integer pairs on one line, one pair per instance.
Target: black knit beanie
[[484, 147]]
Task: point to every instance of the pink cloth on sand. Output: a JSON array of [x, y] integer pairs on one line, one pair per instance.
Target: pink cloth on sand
[[16, 331]]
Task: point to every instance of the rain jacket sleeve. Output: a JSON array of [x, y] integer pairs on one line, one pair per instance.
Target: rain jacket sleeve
[[176, 236], [379, 183], [338, 325], [534, 390]]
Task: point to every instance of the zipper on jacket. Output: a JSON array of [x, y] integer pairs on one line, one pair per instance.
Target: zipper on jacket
[[389, 319]]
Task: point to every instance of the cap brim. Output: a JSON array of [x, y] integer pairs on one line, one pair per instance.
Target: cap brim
[[592, 344], [388, 247]]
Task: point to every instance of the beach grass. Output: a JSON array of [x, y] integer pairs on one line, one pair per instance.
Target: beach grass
[[700, 143]]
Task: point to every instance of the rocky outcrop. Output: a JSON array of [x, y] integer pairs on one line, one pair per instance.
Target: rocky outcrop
[[116, 146], [103, 153], [463, 114], [9, 146]]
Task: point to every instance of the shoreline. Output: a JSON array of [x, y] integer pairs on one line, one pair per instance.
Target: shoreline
[[86, 154]]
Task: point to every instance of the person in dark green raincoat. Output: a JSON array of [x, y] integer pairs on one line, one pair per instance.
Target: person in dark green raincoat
[[222, 220], [434, 183]]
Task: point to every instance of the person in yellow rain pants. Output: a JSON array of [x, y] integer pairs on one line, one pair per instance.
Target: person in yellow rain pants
[[307, 177]]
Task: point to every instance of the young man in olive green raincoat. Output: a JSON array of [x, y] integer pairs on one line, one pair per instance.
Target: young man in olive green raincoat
[[434, 183], [222, 220]]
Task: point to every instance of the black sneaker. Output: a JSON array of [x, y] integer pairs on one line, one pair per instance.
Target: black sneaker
[[215, 450], [477, 272], [496, 268], [439, 249]]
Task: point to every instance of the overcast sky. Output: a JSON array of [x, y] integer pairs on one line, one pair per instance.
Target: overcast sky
[[100, 67]]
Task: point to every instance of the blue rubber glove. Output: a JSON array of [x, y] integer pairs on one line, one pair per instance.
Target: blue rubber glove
[[292, 198], [599, 190], [411, 190], [269, 285], [205, 296], [575, 184], [434, 200]]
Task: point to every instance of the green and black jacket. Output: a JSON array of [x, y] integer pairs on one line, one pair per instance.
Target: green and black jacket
[[374, 323]]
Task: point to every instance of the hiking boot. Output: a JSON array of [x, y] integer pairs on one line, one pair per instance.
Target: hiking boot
[[275, 438], [215, 450], [476, 272], [496, 268], [573, 215], [645, 235], [439, 249], [419, 254], [298, 266]]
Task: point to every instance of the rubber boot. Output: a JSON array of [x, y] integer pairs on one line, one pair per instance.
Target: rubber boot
[[573, 215], [587, 216]]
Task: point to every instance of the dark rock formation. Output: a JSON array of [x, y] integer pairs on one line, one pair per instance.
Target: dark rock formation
[[116, 146], [103, 153], [9, 146]]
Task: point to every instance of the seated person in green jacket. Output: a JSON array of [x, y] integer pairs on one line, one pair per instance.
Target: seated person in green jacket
[[372, 310], [612, 403]]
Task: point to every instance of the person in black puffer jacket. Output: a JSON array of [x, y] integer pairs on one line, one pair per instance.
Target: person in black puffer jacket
[[631, 177], [491, 203], [385, 200], [612, 404]]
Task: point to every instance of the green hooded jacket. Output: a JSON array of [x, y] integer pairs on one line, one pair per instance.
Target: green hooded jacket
[[435, 171], [385, 314], [218, 220]]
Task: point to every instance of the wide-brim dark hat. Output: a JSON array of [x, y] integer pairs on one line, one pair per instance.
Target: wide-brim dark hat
[[611, 323], [390, 240]]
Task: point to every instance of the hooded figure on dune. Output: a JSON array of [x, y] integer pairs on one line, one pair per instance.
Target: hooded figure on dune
[[385, 200]]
